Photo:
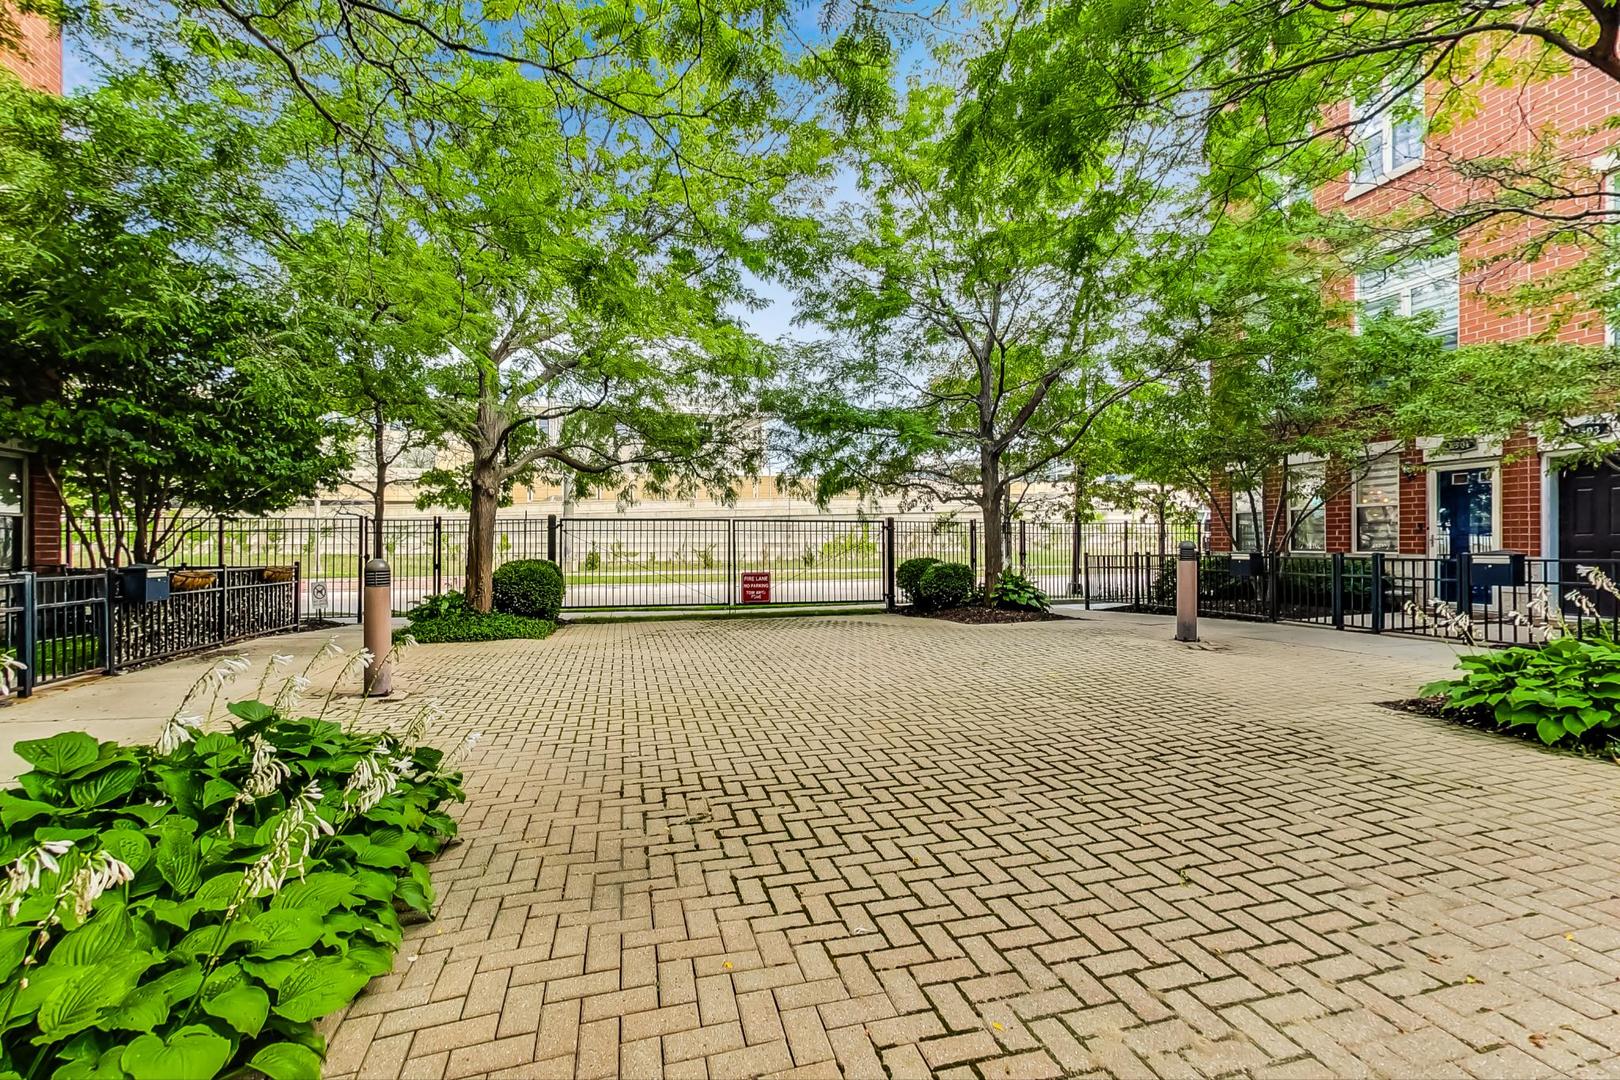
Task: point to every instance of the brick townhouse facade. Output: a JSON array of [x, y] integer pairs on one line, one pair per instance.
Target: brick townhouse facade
[[1436, 496], [30, 506]]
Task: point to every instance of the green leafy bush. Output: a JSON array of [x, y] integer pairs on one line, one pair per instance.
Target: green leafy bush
[[530, 587], [910, 572], [1016, 592], [1568, 691], [191, 909], [467, 625], [945, 585], [437, 607]]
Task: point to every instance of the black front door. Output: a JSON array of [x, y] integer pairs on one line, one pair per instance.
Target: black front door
[[1588, 529]]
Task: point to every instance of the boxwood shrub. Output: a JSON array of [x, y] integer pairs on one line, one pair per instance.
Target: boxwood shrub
[[530, 587], [190, 911], [945, 585], [910, 572]]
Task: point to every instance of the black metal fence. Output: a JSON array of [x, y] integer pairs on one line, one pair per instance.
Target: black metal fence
[[77, 622], [646, 562], [1495, 600]]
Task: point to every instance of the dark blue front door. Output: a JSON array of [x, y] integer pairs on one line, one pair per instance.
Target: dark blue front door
[[1463, 521]]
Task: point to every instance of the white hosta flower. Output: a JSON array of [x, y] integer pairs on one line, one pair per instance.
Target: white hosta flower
[[370, 783], [22, 876], [177, 731], [290, 844], [358, 661], [95, 877], [1584, 603], [11, 671], [225, 671], [291, 691], [1600, 581], [266, 772], [429, 714], [463, 750]]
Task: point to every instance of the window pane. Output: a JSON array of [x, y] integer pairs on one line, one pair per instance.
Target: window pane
[[1406, 131], [11, 484], [1247, 536], [1369, 151], [1377, 528], [1310, 529]]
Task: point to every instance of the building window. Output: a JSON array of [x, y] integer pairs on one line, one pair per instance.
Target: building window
[[1378, 506], [11, 512], [1421, 287], [1246, 520], [1386, 136], [1307, 512]]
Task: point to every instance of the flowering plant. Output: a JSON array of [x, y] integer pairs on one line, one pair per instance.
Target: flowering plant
[[190, 908]]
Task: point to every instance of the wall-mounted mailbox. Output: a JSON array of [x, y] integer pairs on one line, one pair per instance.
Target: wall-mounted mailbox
[[1248, 565], [145, 583], [1497, 569]]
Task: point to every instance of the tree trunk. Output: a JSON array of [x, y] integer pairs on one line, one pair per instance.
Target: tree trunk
[[379, 493], [486, 497], [990, 507]]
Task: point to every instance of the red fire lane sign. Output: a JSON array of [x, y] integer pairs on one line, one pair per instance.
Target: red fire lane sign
[[756, 587]]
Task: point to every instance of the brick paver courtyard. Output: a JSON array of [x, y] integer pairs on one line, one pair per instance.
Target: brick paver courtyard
[[878, 846]]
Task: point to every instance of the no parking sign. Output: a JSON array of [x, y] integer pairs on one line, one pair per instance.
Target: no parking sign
[[756, 587]]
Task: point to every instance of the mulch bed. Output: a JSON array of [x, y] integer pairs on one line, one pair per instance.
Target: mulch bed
[[980, 615]]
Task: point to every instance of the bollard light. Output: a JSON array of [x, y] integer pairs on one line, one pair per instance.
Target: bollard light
[[379, 616], [1187, 592]]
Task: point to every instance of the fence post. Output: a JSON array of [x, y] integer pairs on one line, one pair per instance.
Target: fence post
[[973, 548], [438, 555], [221, 542], [1274, 573], [27, 651], [1377, 604], [732, 561], [1023, 545], [1085, 569], [298, 586], [1136, 581], [1465, 584], [109, 639], [1338, 590], [1074, 559], [362, 523], [888, 564], [551, 537]]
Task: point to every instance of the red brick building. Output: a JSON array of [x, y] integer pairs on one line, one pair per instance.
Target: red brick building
[[30, 507], [1437, 496]]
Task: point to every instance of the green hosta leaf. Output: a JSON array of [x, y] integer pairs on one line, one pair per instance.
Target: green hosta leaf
[[243, 1006], [251, 711], [59, 754], [375, 885], [317, 892], [174, 912], [107, 934], [218, 790], [1549, 730], [13, 945], [94, 1067], [150, 1004], [15, 809], [382, 856], [192, 1053], [149, 813], [128, 846], [81, 999], [105, 786], [217, 892], [284, 931], [288, 1061], [339, 926], [178, 861], [272, 972], [319, 986], [216, 742], [374, 959], [417, 889]]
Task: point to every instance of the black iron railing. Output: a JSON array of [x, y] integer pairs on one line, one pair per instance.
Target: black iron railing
[[72, 623]]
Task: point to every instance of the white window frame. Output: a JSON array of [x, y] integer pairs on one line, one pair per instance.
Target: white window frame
[[1377, 454], [1402, 285], [1381, 115]]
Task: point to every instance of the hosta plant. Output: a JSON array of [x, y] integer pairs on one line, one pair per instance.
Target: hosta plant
[[1567, 691], [1014, 591], [190, 909]]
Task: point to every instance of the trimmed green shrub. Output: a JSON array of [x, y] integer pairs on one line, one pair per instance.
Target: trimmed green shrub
[[945, 585], [1567, 691], [1015, 592], [190, 909], [910, 572], [467, 625], [531, 587]]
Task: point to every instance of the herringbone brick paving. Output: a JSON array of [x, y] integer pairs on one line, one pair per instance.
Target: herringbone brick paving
[[872, 845]]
